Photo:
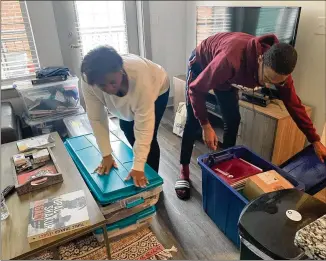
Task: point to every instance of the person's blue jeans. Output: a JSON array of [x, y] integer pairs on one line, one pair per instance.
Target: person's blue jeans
[[127, 127]]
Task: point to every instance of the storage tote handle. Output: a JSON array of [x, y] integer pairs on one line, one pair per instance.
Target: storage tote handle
[[135, 203]]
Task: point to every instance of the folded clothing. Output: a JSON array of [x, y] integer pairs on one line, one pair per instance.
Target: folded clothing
[[52, 71]]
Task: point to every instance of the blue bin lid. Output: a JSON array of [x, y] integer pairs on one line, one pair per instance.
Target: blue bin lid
[[306, 167], [128, 221], [108, 188]]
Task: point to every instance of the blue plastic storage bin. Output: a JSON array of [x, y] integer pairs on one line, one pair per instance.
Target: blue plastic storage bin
[[306, 167], [222, 203]]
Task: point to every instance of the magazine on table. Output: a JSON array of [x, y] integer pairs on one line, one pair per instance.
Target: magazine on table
[[58, 215]]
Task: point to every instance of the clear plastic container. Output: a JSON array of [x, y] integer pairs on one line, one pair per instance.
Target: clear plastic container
[[47, 99], [52, 123]]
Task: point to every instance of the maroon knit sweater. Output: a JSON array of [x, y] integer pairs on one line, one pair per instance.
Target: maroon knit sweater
[[232, 58]]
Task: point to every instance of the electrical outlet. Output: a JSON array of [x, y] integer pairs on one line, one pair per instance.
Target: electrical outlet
[[321, 26]]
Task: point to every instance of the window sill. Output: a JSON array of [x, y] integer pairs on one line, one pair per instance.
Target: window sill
[[6, 87], [8, 92]]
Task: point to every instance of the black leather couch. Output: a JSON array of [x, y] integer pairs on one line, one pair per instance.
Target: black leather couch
[[10, 124]]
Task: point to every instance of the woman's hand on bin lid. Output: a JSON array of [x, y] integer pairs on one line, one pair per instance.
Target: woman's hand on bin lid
[[106, 165], [139, 178]]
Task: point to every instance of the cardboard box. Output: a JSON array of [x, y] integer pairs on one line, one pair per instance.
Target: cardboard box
[[321, 195], [19, 159], [265, 182]]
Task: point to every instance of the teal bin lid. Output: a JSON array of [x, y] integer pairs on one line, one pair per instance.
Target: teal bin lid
[[108, 188], [128, 221]]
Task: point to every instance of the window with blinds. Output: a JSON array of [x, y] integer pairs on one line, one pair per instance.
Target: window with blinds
[[279, 21], [101, 23], [210, 20], [19, 58]]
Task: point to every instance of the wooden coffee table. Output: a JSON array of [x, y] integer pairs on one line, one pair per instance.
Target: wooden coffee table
[[14, 229]]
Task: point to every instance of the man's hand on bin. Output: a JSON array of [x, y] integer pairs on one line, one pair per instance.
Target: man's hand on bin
[[320, 150], [209, 137]]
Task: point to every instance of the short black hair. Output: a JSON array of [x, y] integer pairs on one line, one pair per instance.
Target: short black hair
[[281, 57], [99, 62]]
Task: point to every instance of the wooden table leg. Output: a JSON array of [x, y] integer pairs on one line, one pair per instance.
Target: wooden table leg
[[106, 240]]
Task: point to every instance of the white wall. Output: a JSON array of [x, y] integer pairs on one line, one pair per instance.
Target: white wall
[[309, 74], [168, 36]]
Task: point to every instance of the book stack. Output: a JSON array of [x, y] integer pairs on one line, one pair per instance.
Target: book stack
[[235, 171], [57, 215]]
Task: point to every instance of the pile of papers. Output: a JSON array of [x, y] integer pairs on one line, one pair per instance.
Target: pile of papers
[[35, 143]]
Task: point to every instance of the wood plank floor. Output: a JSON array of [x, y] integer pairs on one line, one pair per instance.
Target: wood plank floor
[[184, 224]]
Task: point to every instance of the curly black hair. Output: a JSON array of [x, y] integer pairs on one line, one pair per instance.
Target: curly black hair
[[99, 62], [281, 57]]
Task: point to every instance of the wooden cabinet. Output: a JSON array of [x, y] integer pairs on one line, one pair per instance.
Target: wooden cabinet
[[323, 136], [256, 132], [268, 131]]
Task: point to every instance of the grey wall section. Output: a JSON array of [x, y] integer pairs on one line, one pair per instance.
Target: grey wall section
[[190, 28], [168, 36], [65, 23], [309, 74], [45, 32]]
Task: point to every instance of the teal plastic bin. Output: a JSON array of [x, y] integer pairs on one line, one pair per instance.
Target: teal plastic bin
[[118, 198], [128, 224]]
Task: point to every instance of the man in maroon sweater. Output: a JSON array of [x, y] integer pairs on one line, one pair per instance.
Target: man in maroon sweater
[[237, 58]]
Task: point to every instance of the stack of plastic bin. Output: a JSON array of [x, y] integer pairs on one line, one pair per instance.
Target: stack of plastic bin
[[125, 206]]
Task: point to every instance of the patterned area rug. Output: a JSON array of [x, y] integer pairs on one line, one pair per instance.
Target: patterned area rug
[[142, 245]]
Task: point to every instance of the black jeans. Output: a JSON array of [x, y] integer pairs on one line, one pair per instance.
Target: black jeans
[[127, 127], [229, 104]]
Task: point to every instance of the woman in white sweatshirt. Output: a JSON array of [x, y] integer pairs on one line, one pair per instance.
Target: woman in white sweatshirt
[[136, 91]]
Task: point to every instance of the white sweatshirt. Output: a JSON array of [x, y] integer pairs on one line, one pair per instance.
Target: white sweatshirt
[[147, 81]]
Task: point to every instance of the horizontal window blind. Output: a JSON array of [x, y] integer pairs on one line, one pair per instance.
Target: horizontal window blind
[[279, 21], [101, 23], [19, 57], [210, 20]]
